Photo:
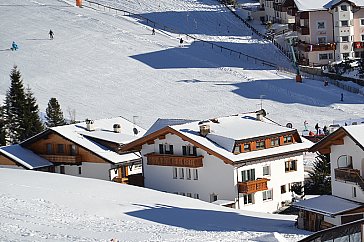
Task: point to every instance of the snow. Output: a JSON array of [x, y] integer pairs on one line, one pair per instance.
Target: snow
[[311, 5], [327, 205], [357, 132], [24, 157], [161, 123], [103, 65], [39, 206]]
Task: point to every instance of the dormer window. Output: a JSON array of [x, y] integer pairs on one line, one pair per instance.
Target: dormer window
[[344, 7], [237, 149], [287, 139], [165, 149], [247, 147], [189, 150], [260, 144], [274, 142]]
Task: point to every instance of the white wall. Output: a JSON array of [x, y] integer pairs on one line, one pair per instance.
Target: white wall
[[12, 167], [277, 178], [88, 169], [340, 188], [214, 177]]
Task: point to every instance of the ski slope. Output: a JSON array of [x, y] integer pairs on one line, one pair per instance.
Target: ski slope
[[39, 206], [105, 65]]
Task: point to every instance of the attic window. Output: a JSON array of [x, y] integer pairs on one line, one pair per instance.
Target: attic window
[[287, 139], [260, 144], [344, 7], [165, 149], [189, 150], [237, 149], [274, 142]]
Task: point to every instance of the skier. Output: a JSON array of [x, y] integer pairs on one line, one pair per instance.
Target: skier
[[342, 97], [51, 34], [180, 42], [317, 128], [14, 46], [153, 31]]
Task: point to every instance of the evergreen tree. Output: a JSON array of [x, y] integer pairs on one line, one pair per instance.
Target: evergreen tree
[[30, 121], [54, 114], [361, 68], [13, 108], [2, 127], [320, 183]]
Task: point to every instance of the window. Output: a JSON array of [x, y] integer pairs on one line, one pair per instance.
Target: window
[[248, 199], [362, 21], [189, 194], [60, 148], [174, 172], [320, 24], [287, 139], [195, 174], [266, 170], [237, 149], [260, 144], [213, 197], [73, 149], [248, 175], [344, 23], [290, 165], [344, 7], [165, 149], [283, 189], [322, 40], [247, 147], [362, 37], [189, 150], [181, 173], [267, 195], [79, 170], [196, 196], [344, 38], [182, 193], [354, 191], [188, 173], [325, 56], [61, 170], [274, 142], [49, 149]]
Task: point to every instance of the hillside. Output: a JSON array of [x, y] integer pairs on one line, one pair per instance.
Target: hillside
[[104, 65], [37, 206]]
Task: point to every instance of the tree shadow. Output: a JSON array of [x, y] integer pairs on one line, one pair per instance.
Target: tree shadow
[[200, 55], [310, 92], [212, 220]]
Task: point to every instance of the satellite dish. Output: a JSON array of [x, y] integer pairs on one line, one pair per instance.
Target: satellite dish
[[135, 131], [289, 125]]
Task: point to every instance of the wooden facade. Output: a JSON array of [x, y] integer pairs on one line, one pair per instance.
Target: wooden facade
[[174, 160], [6, 161], [249, 187]]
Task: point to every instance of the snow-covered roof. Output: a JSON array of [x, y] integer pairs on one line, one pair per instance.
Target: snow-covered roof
[[161, 123], [24, 157], [316, 5], [356, 131], [223, 202], [327, 205]]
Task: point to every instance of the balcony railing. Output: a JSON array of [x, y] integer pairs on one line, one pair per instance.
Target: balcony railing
[[316, 47], [253, 186], [123, 180], [349, 175], [174, 160], [63, 158]]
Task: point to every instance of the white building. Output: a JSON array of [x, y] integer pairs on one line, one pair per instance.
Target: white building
[[238, 160], [88, 149], [346, 149]]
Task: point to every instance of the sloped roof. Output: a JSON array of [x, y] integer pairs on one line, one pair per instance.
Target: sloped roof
[[317, 5], [327, 205], [24, 157], [161, 123]]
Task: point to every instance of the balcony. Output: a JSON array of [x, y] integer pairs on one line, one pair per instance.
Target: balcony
[[71, 159], [174, 160], [349, 175], [253, 186], [316, 47], [303, 30]]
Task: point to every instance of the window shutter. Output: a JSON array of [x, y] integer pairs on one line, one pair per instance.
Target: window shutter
[[161, 150]]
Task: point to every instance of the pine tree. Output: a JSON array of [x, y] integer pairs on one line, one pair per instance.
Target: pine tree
[[30, 121], [13, 108], [54, 114], [320, 176], [2, 127]]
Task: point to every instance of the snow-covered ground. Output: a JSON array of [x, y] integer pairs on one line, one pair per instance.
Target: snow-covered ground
[[37, 206], [103, 65]]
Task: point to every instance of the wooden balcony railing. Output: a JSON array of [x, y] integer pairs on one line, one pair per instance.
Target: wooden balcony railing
[[174, 160], [123, 180], [62, 158], [349, 175], [253, 186], [316, 47]]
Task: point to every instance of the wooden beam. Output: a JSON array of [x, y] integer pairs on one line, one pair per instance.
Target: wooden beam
[[325, 151], [338, 142], [150, 142], [161, 137]]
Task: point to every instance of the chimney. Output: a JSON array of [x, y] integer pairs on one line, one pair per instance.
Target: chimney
[[260, 114], [90, 125], [204, 129], [117, 128]]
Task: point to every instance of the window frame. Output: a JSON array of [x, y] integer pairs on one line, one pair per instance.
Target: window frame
[[319, 37], [361, 21], [266, 174], [260, 147], [290, 167], [342, 21], [60, 149], [195, 174], [274, 142], [283, 189], [246, 200], [248, 174], [181, 173], [267, 198], [286, 141], [346, 36], [247, 147], [175, 172], [188, 173], [345, 8], [318, 24]]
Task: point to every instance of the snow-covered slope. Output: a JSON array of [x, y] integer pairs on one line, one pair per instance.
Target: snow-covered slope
[[104, 65], [37, 206]]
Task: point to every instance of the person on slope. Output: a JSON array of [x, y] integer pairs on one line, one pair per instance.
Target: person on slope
[[180, 42], [51, 34], [14, 46], [153, 31]]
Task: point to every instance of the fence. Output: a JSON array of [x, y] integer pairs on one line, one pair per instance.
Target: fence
[[231, 52]]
